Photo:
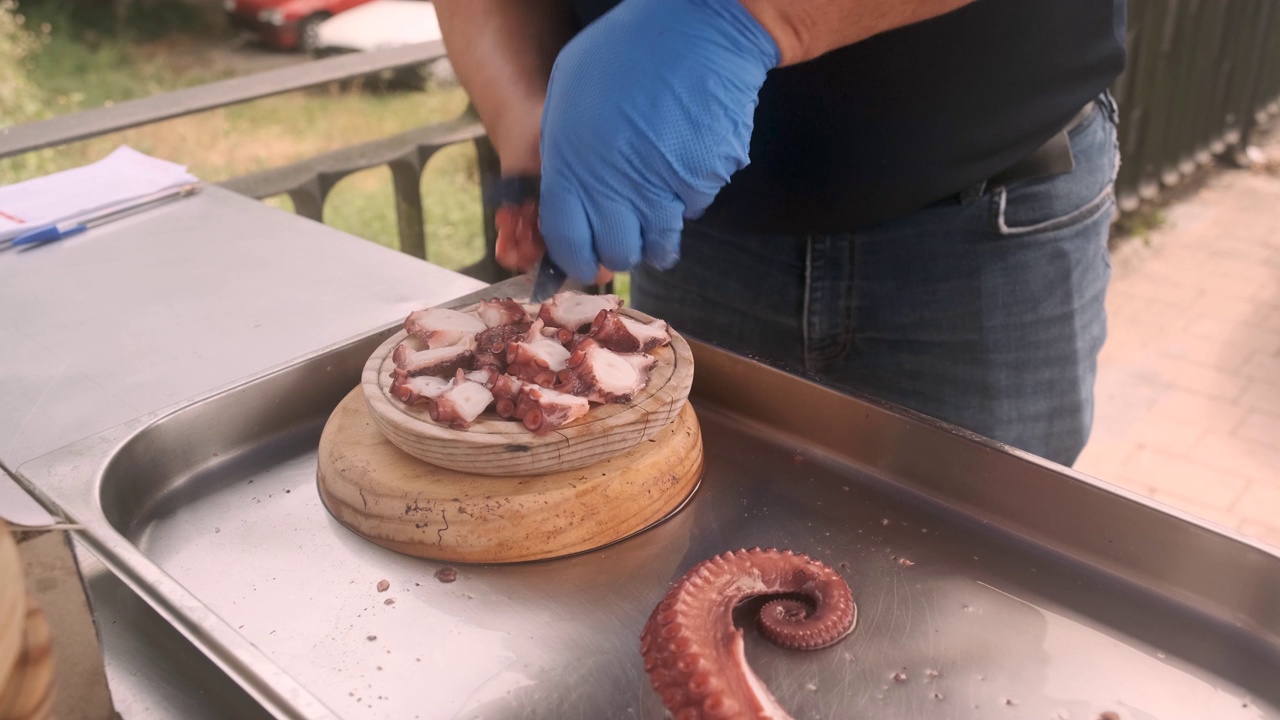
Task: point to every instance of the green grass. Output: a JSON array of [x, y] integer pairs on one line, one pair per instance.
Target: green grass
[[83, 66], [1140, 223], [74, 71]]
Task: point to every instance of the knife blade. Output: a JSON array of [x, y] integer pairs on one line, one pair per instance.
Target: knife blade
[[548, 280]]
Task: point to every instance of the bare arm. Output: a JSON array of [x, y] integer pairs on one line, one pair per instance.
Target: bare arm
[[502, 51], [805, 29]]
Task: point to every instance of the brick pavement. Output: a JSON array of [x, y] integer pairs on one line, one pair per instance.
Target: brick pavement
[[1188, 393]]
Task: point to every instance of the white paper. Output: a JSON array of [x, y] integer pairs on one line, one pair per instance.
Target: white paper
[[123, 175]]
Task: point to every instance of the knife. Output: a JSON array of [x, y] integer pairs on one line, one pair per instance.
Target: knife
[[548, 281], [516, 190]]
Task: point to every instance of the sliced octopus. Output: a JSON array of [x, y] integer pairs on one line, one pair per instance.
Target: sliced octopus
[[617, 332], [441, 362], [461, 403], [603, 376], [575, 310], [540, 365], [496, 313], [536, 358], [441, 327], [542, 410]]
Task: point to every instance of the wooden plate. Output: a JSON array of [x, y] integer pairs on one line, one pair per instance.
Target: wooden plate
[[399, 502], [494, 446]]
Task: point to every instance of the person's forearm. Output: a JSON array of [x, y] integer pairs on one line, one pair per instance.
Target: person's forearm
[[805, 29], [502, 52]]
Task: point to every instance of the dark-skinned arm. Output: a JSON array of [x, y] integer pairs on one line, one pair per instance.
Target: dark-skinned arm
[[502, 51]]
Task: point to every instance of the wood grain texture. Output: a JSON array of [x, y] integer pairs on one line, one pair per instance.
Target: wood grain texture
[[494, 446], [28, 693], [13, 604], [402, 503]]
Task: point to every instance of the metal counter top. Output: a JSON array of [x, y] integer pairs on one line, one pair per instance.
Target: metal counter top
[[133, 316], [989, 583]]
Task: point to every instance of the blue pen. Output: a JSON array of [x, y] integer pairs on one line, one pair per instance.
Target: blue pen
[[49, 233], [58, 231]]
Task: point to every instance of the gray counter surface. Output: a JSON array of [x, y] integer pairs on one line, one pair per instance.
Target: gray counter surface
[[133, 316]]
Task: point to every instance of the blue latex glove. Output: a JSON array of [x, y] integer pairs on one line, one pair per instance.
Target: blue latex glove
[[648, 112]]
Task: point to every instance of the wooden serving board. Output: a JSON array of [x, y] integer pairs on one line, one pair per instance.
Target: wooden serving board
[[494, 446], [405, 504]]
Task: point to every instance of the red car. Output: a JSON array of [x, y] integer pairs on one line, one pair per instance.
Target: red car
[[285, 24]]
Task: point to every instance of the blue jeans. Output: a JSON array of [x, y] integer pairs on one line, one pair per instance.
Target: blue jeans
[[985, 311]]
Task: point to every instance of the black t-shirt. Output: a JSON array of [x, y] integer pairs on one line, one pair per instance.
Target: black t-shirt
[[882, 128]]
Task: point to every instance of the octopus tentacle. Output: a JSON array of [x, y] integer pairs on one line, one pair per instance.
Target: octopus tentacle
[[506, 391], [542, 410], [491, 344], [694, 655]]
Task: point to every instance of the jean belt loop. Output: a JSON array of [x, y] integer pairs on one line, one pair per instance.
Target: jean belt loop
[[971, 194], [1111, 106]]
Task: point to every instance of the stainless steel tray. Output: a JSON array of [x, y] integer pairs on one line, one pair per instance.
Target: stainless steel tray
[[989, 583]]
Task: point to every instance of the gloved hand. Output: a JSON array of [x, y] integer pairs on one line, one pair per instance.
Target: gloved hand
[[648, 112]]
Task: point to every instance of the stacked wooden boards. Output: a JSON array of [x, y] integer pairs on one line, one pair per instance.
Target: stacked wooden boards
[[496, 493]]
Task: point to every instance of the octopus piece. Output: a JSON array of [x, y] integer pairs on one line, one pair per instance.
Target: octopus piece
[[486, 376], [695, 656], [506, 311], [461, 403], [536, 358], [441, 327], [614, 331], [418, 390], [491, 344], [542, 410], [506, 393], [441, 362], [603, 376], [573, 310], [566, 337]]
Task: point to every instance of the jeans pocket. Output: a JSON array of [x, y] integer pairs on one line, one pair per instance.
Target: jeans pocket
[[1048, 204]]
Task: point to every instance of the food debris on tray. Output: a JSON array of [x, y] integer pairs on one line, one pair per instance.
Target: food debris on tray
[[540, 365]]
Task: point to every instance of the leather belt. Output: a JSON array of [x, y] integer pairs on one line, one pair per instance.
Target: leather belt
[[1050, 159]]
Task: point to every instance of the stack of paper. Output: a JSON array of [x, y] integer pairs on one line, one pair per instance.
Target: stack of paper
[[122, 176]]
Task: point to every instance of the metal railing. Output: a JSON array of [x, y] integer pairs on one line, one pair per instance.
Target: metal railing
[[307, 182], [1202, 74]]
